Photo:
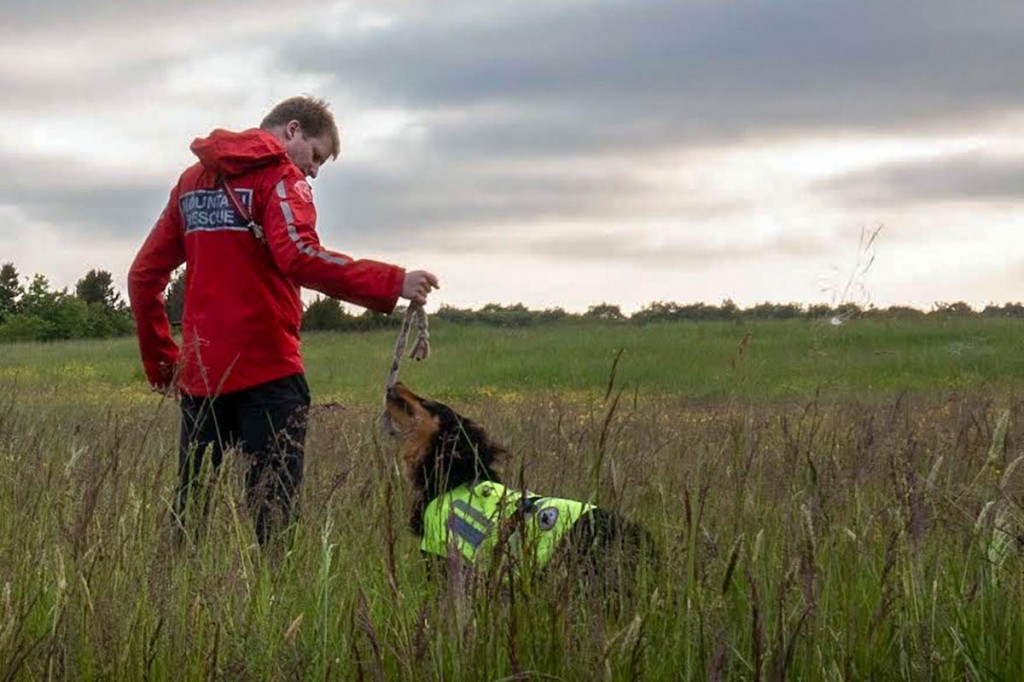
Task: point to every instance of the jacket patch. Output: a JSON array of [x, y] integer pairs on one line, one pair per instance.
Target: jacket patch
[[211, 210], [304, 191]]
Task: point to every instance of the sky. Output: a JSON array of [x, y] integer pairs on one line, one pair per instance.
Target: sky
[[555, 153]]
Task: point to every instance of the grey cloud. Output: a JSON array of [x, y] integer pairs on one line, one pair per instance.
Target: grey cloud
[[110, 211], [567, 84], [72, 196], [79, 57], [71, 18], [89, 89], [425, 205], [697, 253], [563, 83], [652, 71], [20, 15], [974, 177]]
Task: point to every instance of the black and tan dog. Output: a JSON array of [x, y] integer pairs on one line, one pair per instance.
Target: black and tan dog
[[462, 511]]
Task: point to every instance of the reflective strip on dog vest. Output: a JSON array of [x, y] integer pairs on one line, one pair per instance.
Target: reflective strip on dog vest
[[467, 509], [465, 531], [467, 519]]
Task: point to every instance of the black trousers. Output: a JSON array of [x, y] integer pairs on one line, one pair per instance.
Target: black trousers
[[267, 424]]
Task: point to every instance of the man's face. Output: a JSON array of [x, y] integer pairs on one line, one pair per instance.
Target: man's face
[[308, 153]]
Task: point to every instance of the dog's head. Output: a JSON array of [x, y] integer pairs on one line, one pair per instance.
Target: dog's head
[[440, 448]]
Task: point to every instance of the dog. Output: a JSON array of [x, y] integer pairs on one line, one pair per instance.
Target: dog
[[462, 511]]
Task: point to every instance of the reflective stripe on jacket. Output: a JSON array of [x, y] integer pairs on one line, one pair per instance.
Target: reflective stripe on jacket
[[469, 520]]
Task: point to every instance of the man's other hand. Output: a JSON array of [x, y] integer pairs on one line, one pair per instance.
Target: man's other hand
[[166, 383]]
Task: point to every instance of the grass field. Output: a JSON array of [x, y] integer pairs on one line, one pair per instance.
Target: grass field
[[702, 361], [830, 503]]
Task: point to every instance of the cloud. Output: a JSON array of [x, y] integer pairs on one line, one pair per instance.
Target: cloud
[[63, 255], [77, 197], [556, 76], [973, 177], [419, 203], [696, 252], [106, 56], [514, 104], [565, 132]]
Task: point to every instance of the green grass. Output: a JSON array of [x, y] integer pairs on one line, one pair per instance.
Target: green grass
[[704, 361], [828, 504]]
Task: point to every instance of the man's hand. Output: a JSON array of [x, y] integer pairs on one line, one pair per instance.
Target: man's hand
[[417, 286], [166, 383], [169, 391]]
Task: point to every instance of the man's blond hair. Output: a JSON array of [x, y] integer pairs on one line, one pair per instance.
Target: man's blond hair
[[314, 117]]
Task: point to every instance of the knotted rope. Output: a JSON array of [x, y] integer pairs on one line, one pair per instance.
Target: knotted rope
[[420, 351]]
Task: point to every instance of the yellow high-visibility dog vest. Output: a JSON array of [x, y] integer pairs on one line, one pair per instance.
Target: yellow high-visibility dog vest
[[468, 520]]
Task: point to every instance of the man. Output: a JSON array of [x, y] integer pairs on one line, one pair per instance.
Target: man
[[239, 370]]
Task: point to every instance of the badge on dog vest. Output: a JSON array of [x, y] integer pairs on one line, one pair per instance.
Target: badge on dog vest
[[547, 518]]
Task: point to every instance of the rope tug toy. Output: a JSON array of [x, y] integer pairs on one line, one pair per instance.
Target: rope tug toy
[[420, 351]]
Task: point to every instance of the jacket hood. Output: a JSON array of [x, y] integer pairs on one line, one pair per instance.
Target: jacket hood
[[230, 153]]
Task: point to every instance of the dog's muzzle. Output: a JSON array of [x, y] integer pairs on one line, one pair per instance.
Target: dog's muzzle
[[386, 427]]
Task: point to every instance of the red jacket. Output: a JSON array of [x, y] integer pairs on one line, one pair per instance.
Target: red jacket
[[242, 304]]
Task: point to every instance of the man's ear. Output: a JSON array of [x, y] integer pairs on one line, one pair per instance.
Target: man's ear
[[291, 129]]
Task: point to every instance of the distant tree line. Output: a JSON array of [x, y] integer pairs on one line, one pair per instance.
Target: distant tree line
[[329, 314], [34, 311]]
